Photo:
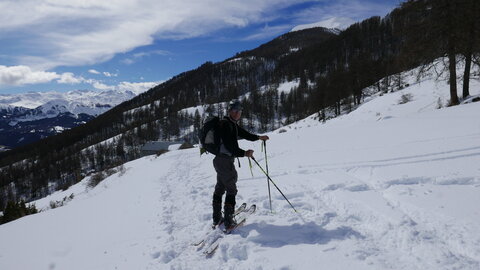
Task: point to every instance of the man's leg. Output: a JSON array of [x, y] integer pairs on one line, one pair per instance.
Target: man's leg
[[217, 207], [231, 189], [227, 179], [218, 193]]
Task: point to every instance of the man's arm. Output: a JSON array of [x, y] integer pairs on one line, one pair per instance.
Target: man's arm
[[242, 133]]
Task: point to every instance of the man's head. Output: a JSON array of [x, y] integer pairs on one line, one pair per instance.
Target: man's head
[[235, 109]]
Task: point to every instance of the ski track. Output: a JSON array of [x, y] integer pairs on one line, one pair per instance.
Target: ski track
[[416, 226], [330, 215]]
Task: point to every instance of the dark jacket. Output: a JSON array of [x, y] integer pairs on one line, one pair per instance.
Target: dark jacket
[[229, 132]]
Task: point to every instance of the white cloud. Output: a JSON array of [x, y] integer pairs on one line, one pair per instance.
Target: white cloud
[[137, 88], [101, 86], [69, 78], [137, 56], [93, 71], [81, 32], [268, 32], [128, 61], [108, 74], [341, 13], [155, 52], [105, 73], [20, 75]]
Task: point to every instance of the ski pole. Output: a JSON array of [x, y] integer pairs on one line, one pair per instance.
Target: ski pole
[[269, 178], [266, 161], [268, 182], [250, 163]]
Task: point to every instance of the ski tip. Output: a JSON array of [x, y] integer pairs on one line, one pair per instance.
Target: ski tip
[[209, 252], [199, 243]]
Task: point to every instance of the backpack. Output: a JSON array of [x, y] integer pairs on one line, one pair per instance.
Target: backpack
[[209, 136]]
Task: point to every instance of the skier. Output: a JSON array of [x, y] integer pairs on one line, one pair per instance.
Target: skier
[[224, 163]]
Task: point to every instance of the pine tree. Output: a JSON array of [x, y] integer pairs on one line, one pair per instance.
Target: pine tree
[[16, 210]]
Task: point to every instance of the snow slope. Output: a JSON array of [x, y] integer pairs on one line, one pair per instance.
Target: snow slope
[[388, 186]]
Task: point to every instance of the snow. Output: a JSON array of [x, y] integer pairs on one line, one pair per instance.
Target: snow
[[174, 146], [388, 186], [286, 87], [334, 24], [79, 189], [58, 129], [191, 110], [251, 58]]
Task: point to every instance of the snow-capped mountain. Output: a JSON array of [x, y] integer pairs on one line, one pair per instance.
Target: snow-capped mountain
[[27, 117], [71, 99]]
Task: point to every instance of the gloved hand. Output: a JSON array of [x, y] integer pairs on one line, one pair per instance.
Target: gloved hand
[[249, 153], [263, 137]]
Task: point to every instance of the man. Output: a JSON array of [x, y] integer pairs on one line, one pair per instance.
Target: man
[[224, 163]]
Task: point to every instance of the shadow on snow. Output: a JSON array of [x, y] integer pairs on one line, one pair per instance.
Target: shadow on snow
[[310, 233]]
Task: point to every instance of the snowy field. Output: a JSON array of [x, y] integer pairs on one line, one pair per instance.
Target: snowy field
[[388, 186]]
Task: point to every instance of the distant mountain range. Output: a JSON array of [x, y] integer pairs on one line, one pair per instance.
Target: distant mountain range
[[28, 117]]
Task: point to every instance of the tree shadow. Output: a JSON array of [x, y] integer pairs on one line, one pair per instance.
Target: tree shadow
[[308, 233]]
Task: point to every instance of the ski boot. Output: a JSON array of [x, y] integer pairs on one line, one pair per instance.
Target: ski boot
[[217, 211], [229, 220]]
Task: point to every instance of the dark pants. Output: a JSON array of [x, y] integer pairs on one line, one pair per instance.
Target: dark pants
[[226, 176], [226, 182]]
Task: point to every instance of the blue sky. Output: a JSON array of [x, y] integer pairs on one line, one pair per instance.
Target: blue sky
[[61, 45]]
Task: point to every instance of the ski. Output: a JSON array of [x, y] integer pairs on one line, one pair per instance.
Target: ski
[[210, 249], [239, 209], [201, 242]]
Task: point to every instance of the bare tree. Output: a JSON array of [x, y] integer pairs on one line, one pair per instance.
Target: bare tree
[[469, 40]]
